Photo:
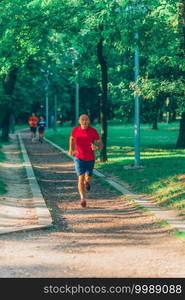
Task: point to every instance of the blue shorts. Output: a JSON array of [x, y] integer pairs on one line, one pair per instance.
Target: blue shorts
[[83, 166]]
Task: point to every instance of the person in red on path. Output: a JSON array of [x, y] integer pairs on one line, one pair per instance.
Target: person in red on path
[[82, 147], [33, 120]]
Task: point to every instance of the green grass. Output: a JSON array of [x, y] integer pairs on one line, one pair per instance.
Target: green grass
[[2, 155], [179, 234], [162, 174], [2, 184], [3, 188], [20, 127]]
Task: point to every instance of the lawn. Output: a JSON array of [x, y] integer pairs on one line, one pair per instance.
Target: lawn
[[2, 185], [162, 171]]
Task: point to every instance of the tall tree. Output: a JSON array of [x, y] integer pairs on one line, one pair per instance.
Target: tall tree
[[181, 137]]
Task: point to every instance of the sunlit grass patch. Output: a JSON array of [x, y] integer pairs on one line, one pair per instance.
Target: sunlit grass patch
[[3, 188], [2, 156], [162, 223], [179, 234], [171, 194]]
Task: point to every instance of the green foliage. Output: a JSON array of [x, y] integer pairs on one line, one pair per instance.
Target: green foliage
[[37, 35]]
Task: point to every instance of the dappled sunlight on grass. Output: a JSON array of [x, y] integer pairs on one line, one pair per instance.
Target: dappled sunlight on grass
[[3, 187], [169, 192], [2, 156], [151, 156], [115, 153], [9, 165]]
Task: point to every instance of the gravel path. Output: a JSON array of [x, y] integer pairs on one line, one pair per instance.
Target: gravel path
[[109, 238]]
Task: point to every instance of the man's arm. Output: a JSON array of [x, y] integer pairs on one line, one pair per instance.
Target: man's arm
[[99, 147], [71, 145]]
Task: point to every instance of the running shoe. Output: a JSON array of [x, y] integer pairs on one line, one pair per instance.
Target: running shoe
[[83, 203]]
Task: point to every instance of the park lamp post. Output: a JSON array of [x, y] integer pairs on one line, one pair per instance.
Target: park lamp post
[[46, 75], [142, 9], [130, 9], [136, 106], [136, 96], [74, 58]]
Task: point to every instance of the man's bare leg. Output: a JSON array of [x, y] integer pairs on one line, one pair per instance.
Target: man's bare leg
[[81, 189], [87, 182], [87, 178], [41, 135]]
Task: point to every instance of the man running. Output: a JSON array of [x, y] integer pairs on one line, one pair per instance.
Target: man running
[[33, 119], [41, 128], [82, 147]]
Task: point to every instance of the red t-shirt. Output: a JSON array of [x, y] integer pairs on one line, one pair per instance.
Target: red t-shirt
[[33, 121], [83, 140]]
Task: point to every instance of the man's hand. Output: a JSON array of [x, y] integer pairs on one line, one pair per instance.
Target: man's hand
[[71, 152], [99, 147], [94, 147]]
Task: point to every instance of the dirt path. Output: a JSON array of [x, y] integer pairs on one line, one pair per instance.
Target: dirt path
[[18, 201], [109, 238]]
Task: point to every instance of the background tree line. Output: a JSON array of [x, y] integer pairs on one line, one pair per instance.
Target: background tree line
[[35, 59]]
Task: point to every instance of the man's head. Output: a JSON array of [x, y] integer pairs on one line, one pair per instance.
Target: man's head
[[84, 121]]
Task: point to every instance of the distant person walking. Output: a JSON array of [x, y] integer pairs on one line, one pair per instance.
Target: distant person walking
[[33, 119], [41, 128], [82, 147]]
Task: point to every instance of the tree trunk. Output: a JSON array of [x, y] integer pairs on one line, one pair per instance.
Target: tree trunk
[[103, 100], [173, 116], [154, 124], [181, 138], [9, 84], [182, 21], [155, 120], [12, 122]]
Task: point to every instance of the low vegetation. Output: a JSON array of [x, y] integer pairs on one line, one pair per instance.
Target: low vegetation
[[2, 185]]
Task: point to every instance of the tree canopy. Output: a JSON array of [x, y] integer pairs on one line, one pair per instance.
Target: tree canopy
[[35, 42]]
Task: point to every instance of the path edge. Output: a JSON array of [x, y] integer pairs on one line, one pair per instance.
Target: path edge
[[42, 211]]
